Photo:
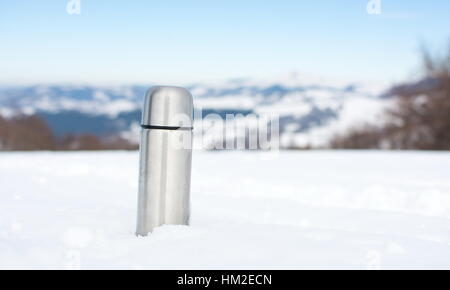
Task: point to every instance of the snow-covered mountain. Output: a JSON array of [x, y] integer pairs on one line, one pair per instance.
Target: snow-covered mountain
[[311, 110]]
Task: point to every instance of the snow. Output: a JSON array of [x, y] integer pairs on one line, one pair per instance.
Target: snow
[[356, 113], [228, 102], [292, 210]]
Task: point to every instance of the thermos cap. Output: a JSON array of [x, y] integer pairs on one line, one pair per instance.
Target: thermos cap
[[167, 106]]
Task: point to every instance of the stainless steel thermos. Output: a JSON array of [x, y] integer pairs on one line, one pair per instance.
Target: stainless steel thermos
[[165, 159]]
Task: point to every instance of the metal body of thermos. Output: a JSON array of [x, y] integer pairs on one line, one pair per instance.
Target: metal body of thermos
[[165, 159]]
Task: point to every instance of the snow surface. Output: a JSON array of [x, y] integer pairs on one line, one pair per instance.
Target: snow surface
[[294, 210]]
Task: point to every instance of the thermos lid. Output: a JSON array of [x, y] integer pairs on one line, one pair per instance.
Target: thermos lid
[[166, 106]]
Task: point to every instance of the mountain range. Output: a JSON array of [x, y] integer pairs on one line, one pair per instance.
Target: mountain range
[[310, 110]]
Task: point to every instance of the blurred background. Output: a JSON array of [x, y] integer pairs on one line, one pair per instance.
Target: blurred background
[[339, 74]]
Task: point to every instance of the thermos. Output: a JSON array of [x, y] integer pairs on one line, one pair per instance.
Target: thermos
[[165, 159]]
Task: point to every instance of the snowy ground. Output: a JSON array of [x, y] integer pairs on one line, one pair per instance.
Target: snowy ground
[[298, 210]]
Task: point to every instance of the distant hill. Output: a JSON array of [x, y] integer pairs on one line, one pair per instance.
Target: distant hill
[[310, 110]]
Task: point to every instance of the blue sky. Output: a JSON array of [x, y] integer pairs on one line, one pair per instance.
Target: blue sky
[[175, 42]]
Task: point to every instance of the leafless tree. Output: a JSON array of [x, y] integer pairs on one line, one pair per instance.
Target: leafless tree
[[420, 119]]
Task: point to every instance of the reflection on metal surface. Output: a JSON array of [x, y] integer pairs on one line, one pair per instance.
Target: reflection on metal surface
[[165, 160]]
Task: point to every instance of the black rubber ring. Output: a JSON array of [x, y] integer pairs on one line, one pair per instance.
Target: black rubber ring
[[169, 128]]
